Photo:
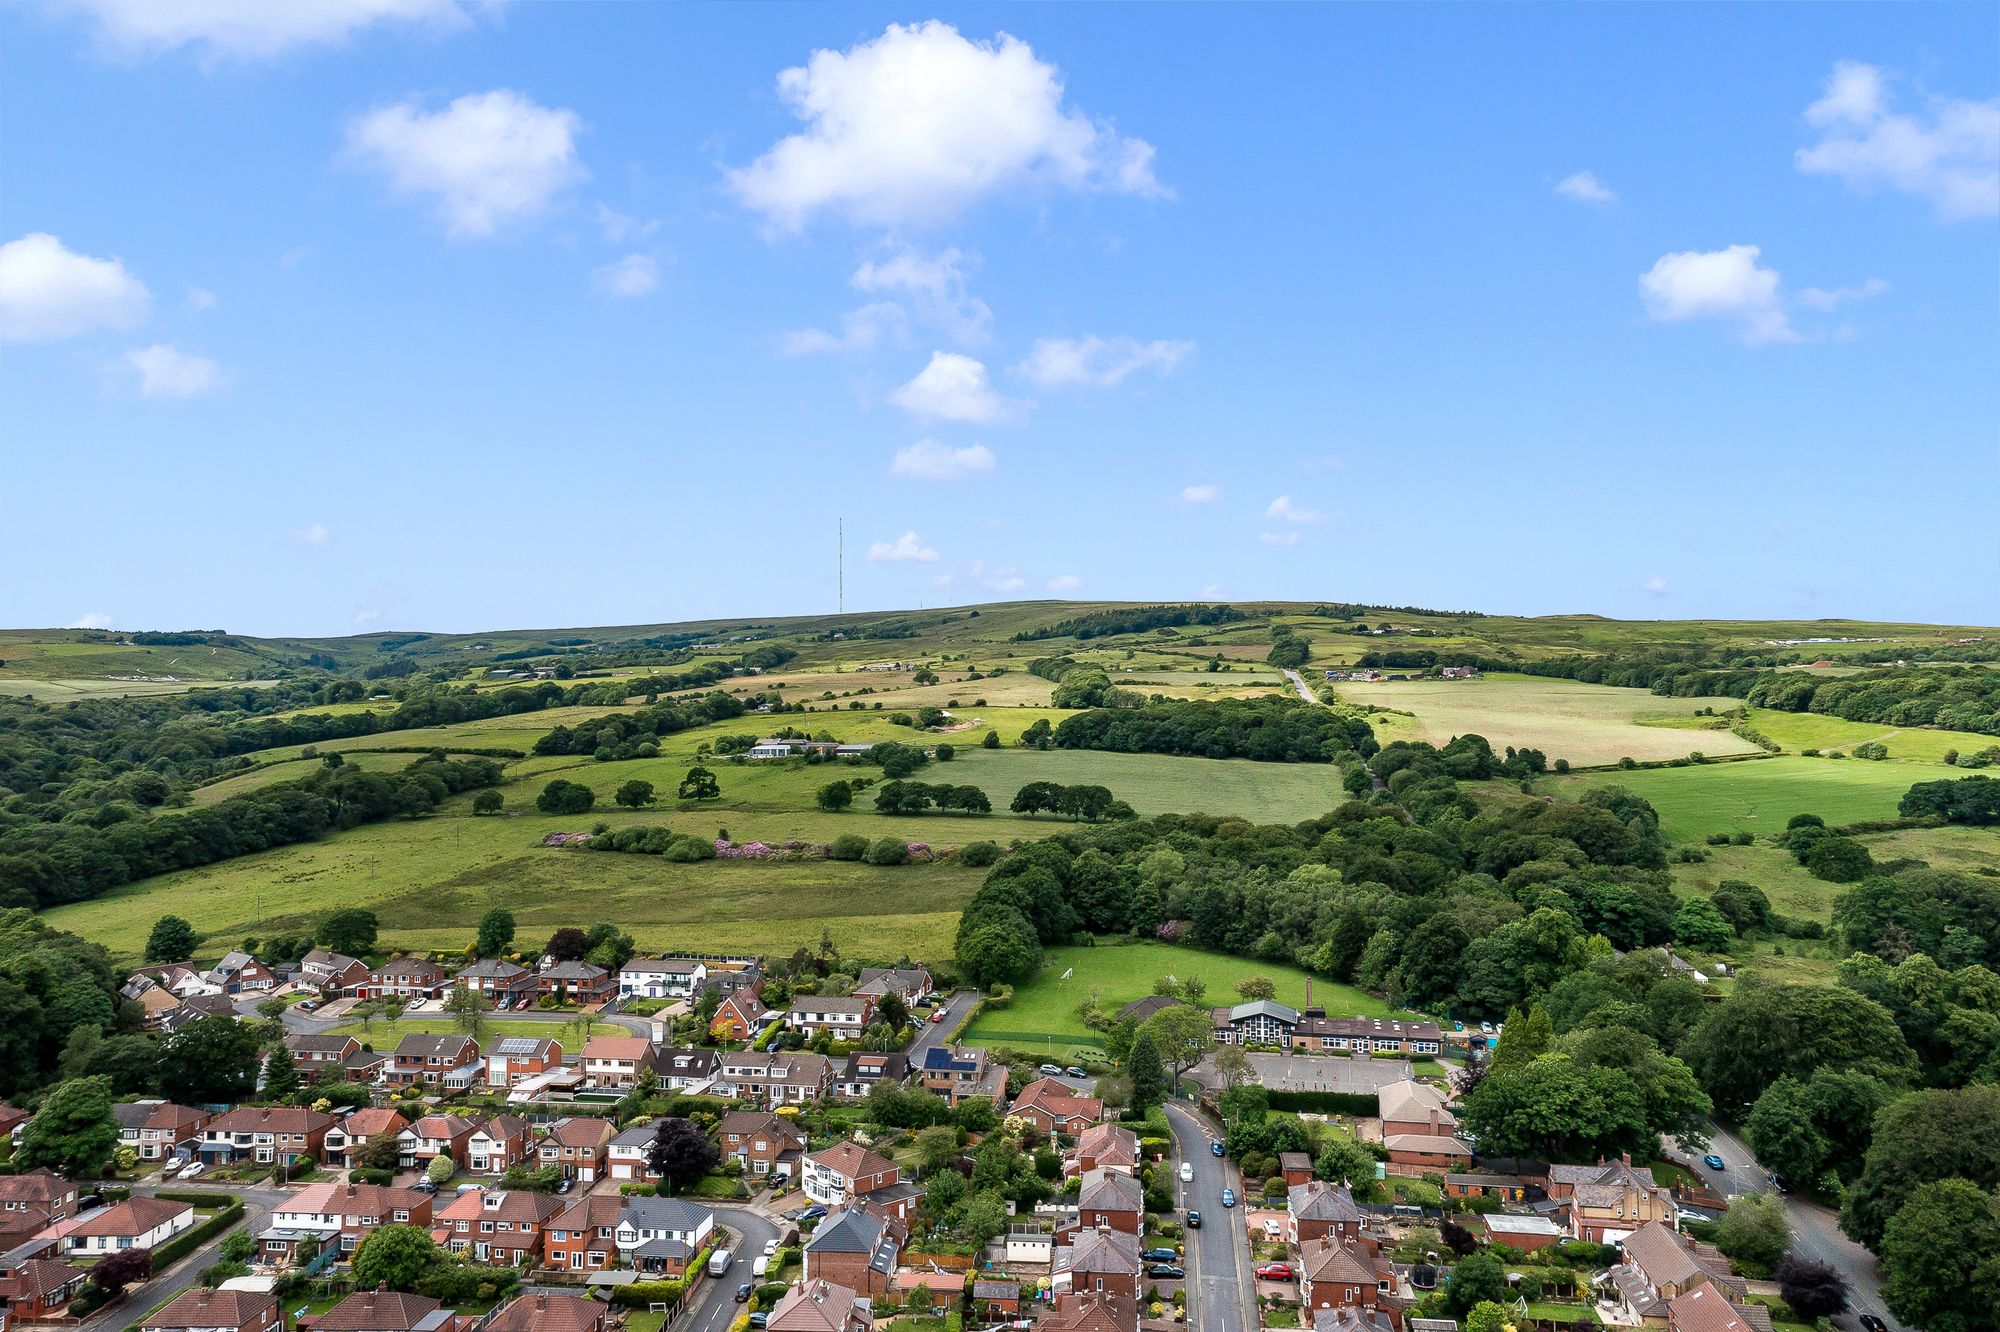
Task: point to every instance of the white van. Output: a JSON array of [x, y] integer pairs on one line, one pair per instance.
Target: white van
[[760, 1267], [1187, 1172]]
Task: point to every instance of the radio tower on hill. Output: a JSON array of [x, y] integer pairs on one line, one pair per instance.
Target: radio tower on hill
[[840, 565]]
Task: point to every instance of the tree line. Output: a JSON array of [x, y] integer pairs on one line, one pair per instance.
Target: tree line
[[1271, 729]]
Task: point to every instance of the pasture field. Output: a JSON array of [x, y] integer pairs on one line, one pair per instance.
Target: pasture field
[[1153, 783], [1966, 850], [1044, 1009], [1916, 744], [1758, 795], [431, 879], [1201, 684], [383, 1034], [1792, 891], [519, 731], [70, 655], [1585, 723], [69, 690], [291, 770]]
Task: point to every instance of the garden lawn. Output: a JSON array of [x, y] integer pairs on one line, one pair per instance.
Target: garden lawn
[[1758, 795], [1044, 1009], [1587, 724]]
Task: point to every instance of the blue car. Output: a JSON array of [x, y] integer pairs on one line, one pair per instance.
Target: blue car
[[1229, 1197], [1215, 1148], [1712, 1161], [1159, 1255]]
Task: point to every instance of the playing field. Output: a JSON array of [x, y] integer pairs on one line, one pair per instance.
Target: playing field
[[1758, 795], [1155, 783], [1587, 724], [1044, 1010]]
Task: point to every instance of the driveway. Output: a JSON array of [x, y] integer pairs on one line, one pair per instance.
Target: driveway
[[715, 1308], [1218, 1255], [956, 1007]]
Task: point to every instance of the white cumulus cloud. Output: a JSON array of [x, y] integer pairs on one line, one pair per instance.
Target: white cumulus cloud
[[313, 534], [929, 460], [94, 620], [1585, 187], [167, 372], [1948, 154], [1200, 494], [253, 29], [634, 275], [953, 388], [1065, 583], [48, 291], [905, 548], [920, 124], [1657, 586], [487, 160], [1725, 284], [1821, 298], [1283, 509], [1279, 538], [1094, 362]]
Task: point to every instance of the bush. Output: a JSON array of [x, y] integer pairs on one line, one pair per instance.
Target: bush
[[978, 854], [847, 846], [888, 851], [185, 1243]]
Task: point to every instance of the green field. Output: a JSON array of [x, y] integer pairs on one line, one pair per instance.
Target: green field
[[1806, 730], [1758, 795], [290, 770], [1587, 724], [1154, 783], [1044, 1009]]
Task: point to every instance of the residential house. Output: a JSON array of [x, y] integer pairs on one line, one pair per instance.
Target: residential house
[[1139, 1010], [418, 1144], [1660, 1265], [1705, 1309], [347, 1134], [858, 1073], [499, 980], [856, 1248], [361, 1208], [1427, 1151], [499, 1144], [35, 1287], [32, 1200], [305, 1224], [1414, 1107], [661, 1236], [583, 1237], [266, 1134], [1259, 1022], [204, 1310], [845, 1172], [830, 1016], [155, 1003], [579, 1144], [724, 980], [1608, 1201], [498, 1227], [1344, 1274], [613, 1063], [820, 1306], [1319, 1033], [577, 983], [625, 1158], [1057, 1107], [405, 978], [331, 973], [512, 1059], [240, 973], [960, 1073], [1091, 1311], [446, 1059], [321, 1056], [542, 1312], [684, 1070], [1106, 1261], [661, 977], [386, 1311], [774, 1078], [1110, 1200], [1104, 1147], [366, 1066], [1359, 1319], [765, 1143], [136, 1223], [158, 1130], [1317, 1210], [179, 979], [738, 1017], [913, 984]]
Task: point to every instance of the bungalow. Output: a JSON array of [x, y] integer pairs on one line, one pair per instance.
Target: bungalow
[[1366, 1035], [579, 1145], [765, 1143], [406, 978], [156, 1130], [1431, 1151], [1056, 1107], [859, 1073], [912, 984], [542, 1312], [660, 1236], [1705, 1309], [204, 1310], [847, 1172], [613, 1063], [1109, 1200], [739, 1017], [856, 1248], [1104, 1147], [499, 1144], [820, 1306], [331, 973], [1259, 1022], [385, 1311], [498, 1227], [317, 1056], [583, 1236], [1105, 1261], [684, 1070], [238, 972], [1139, 1010], [347, 1134], [576, 983], [266, 1135], [1526, 1233], [960, 1073], [136, 1223], [512, 1059], [831, 1016], [1414, 1107], [1318, 1210], [433, 1136], [661, 977], [446, 1059], [36, 1289]]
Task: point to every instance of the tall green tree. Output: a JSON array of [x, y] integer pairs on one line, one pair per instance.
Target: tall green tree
[[73, 1133], [352, 931], [396, 1257], [496, 932], [281, 1074], [172, 940], [635, 794], [1147, 1073], [1941, 1258], [1924, 1138], [1760, 1033], [699, 784], [1182, 1033], [211, 1060], [1523, 1036], [1754, 1231]]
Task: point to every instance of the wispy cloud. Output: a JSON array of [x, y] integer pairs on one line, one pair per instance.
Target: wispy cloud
[[1065, 583], [1820, 298], [634, 275], [94, 620], [1284, 510], [1949, 154], [1094, 362], [904, 549], [1585, 187], [1202, 494], [1279, 538], [928, 460], [166, 372], [313, 534]]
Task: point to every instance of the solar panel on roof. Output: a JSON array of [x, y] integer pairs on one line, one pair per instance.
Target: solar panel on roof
[[513, 1045]]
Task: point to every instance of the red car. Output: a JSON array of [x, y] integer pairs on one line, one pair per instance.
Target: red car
[[1275, 1272]]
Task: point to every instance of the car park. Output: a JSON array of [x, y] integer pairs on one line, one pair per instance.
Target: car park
[[1165, 1271], [1712, 1161], [1159, 1255], [1229, 1197], [1275, 1272]]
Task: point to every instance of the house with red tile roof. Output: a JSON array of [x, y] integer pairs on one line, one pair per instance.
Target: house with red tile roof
[[498, 1227], [613, 1063], [820, 1306], [499, 1144], [542, 1312], [157, 1130], [204, 1310], [386, 1311], [418, 1144], [1056, 1107], [349, 1132], [580, 1144], [136, 1223]]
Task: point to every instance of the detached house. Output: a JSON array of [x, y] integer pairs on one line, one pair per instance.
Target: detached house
[[1608, 1201], [661, 978], [613, 1063], [136, 1223], [848, 1172], [386, 1311], [451, 1061], [499, 1144], [839, 1019], [1104, 1147], [1056, 1107], [512, 1059], [1349, 1274], [859, 1073], [820, 1306], [158, 1130], [577, 983], [433, 1136], [960, 1073], [738, 1017], [684, 1070], [1318, 1210], [856, 1248], [1414, 1107], [765, 1143], [350, 1131], [543, 1312], [1097, 1260], [911, 984], [659, 1236], [240, 973], [406, 978], [783, 1077], [579, 1145], [625, 1158], [266, 1135], [498, 980], [321, 1056], [1109, 1200], [203, 1310], [331, 973]]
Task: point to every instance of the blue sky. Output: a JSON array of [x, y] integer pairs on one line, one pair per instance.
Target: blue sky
[[395, 314]]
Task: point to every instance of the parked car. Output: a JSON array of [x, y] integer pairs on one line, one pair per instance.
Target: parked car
[[743, 1293], [1712, 1161], [1187, 1172], [1076, 1072], [1159, 1255], [568, 1183], [761, 1266], [760, 1319], [1166, 1271], [192, 1169], [425, 1186], [1870, 1323], [1229, 1197], [1683, 1215], [1215, 1147], [813, 1213], [770, 1247], [941, 1015], [1050, 1070], [1275, 1272], [1194, 1220]]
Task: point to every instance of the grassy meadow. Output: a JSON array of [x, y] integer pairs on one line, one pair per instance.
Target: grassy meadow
[[1587, 724], [1805, 730], [1758, 795], [1155, 783]]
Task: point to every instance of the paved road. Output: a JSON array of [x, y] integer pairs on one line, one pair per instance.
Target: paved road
[[715, 1308], [956, 1007], [1815, 1230], [1220, 1285], [257, 1203], [1299, 683]]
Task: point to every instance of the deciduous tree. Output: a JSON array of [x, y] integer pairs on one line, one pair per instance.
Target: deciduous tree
[[172, 940], [73, 1133], [680, 1153]]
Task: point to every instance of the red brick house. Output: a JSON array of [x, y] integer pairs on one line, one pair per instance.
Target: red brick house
[[421, 1057], [404, 978], [386, 1311], [349, 1132], [266, 1135], [37, 1289], [819, 1306], [433, 1136], [363, 1207], [499, 1144], [543, 1312], [1104, 1261], [498, 1228], [577, 983], [331, 973], [739, 1017], [847, 1171], [583, 1236], [1317, 1210], [156, 1130], [1103, 1147], [765, 1143], [1109, 1200], [321, 1056], [1055, 1107], [203, 1310], [1342, 1275], [510, 1059], [613, 1063], [856, 1248], [579, 1144]]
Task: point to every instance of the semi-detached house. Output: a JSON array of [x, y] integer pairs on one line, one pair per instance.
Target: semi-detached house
[[842, 1019], [158, 1130], [266, 1135]]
